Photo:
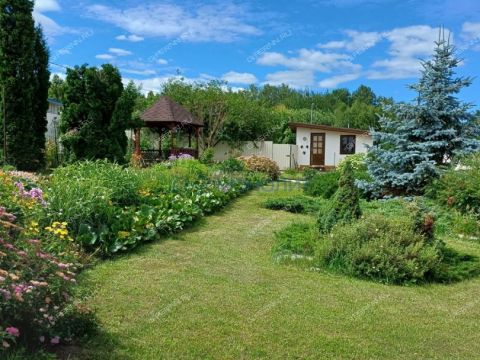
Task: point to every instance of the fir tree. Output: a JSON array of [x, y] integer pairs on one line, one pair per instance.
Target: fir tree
[[345, 206], [95, 114], [23, 61], [421, 136]]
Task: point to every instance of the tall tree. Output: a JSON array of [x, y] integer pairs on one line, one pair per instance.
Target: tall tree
[[425, 134], [95, 114], [57, 88], [122, 119], [23, 69], [40, 101]]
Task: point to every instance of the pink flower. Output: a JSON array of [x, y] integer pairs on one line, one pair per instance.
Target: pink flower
[[55, 340], [13, 331]]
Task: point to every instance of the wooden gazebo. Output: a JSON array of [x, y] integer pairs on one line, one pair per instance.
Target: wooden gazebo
[[166, 116]]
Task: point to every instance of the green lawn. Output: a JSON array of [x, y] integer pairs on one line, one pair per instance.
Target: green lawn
[[213, 292]]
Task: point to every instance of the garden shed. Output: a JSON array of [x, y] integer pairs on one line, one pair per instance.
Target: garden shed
[[323, 146], [168, 118]]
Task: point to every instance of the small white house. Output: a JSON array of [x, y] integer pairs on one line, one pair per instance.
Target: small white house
[[325, 146], [53, 119]]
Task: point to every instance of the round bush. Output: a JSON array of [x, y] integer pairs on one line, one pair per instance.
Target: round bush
[[261, 164], [322, 184], [388, 250]]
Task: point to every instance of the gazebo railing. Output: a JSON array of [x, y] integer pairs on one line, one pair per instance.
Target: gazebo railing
[[185, 151], [153, 156]]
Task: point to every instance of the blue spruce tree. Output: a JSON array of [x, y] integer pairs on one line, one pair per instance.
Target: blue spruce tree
[[422, 136]]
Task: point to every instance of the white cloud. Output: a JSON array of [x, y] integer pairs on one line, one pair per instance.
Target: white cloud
[[239, 78], [46, 5], [119, 52], [139, 72], [471, 36], [50, 27], [471, 31], [162, 62], [131, 38], [334, 81], [293, 78], [408, 45], [311, 60], [358, 41], [105, 57], [219, 22], [155, 84]]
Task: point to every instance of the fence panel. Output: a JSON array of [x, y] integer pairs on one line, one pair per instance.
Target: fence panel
[[283, 154]]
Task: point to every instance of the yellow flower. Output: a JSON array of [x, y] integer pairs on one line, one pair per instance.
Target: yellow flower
[[123, 234]]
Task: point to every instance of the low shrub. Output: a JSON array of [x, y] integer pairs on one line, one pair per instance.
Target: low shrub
[[296, 238], [322, 184], [292, 174], [382, 249], [345, 205], [206, 157], [231, 165], [357, 162], [295, 204], [459, 187], [261, 164], [309, 173]]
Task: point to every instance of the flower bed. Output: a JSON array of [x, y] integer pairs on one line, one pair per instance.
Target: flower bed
[[112, 209], [94, 207], [38, 267]]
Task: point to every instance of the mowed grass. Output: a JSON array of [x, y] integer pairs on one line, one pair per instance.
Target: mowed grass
[[214, 292]]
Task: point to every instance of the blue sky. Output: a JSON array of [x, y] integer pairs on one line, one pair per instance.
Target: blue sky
[[320, 45]]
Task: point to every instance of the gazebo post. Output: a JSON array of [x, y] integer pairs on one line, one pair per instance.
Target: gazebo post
[[136, 140], [172, 138], [160, 143], [197, 136], [189, 139]]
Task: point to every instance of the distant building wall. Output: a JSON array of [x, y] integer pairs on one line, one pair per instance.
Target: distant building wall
[[283, 154]]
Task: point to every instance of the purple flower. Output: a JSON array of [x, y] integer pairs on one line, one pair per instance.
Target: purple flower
[[55, 340], [184, 157], [6, 294]]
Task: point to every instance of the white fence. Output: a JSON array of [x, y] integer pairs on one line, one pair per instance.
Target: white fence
[[284, 155]]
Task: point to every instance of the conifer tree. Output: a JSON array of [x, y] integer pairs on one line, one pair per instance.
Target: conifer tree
[[345, 206], [40, 106], [97, 111], [422, 136], [23, 85]]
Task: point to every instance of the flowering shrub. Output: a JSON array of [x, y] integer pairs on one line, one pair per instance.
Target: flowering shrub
[[180, 157], [38, 266], [262, 164], [34, 287]]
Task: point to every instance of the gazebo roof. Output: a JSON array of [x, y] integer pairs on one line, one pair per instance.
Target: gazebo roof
[[167, 113]]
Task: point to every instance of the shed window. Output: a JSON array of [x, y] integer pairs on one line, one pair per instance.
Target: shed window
[[347, 144]]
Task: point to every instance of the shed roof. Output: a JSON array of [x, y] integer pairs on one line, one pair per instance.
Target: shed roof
[[166, 112], [294, 126]]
